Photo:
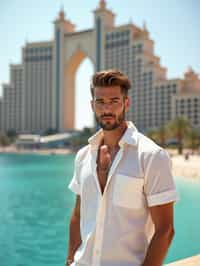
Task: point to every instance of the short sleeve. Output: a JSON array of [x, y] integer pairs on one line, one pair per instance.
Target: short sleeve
[[159, 184], [74, 185]]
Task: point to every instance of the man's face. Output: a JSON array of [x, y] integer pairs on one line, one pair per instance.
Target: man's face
[[109, 106]]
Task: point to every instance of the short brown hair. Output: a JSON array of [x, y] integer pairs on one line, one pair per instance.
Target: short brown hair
[[111, 77]]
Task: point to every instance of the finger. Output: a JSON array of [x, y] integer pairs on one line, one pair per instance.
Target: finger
[[104, 149], [105, 160], [104, 152]]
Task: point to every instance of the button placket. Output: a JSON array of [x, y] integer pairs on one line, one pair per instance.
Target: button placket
[[99, 233], [94, 169], [101, 211], [114, 166]]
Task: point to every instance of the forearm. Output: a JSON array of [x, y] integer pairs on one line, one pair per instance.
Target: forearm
[[158, 248], [74, 237]]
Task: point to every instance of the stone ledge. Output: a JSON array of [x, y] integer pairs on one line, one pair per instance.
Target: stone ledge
[[192, 261]]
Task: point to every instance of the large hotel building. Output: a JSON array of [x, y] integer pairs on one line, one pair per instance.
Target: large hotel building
[[41, 91]]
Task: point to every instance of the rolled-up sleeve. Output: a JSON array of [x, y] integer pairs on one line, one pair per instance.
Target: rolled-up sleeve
[[74, 185], [159, 184]]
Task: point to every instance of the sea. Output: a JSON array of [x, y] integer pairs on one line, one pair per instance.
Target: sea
[[36, 204]]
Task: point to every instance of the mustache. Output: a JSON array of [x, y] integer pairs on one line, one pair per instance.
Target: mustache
[[107, 115]]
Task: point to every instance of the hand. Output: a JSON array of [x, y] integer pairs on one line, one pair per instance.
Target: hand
[[68, 262], [104, 158]]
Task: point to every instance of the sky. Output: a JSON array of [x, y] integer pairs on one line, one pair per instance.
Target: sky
[[173, 25]]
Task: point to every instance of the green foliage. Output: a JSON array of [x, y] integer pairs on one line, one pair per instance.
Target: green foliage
[[50, 131], [179, 128], [11, 133], [158, 135], [193, 139], [4, 140], [81, 138]]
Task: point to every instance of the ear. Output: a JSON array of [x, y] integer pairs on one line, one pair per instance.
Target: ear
[[92, 105], [127, 103]]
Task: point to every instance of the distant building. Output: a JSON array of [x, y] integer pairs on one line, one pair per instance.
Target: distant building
[[11, 109], [8, 108], [187, 102], [41, 93], [1, 116], [17, 79], [30, 141], [38, 85]]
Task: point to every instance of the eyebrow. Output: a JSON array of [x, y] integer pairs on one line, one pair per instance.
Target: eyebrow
[[112, 98]]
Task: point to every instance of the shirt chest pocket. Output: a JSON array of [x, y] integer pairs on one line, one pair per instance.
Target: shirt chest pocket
[[128, 192]]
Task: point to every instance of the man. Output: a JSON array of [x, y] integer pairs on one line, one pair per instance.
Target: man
[[123, 214]]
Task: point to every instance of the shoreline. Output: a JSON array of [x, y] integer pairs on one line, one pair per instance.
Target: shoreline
[[189, 169], [56, 151], [181, 167]]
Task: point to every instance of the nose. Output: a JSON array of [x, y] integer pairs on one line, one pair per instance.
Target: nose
[[107, 106]]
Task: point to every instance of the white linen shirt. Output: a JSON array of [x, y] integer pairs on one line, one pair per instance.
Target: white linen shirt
[[116, 227]]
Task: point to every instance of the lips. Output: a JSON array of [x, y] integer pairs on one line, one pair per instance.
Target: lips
[[107, 118]]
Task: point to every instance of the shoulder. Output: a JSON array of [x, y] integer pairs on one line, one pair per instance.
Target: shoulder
[[146, 145], [149, 151]]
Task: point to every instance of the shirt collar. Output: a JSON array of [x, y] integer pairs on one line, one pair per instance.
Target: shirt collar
[[129, 137]]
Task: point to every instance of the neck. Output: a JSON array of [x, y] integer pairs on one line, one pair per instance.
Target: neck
[[112, 137]]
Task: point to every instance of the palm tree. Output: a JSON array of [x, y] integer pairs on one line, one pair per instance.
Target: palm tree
[[4, 140], [159, 135], [193, 139], [179, 128], [50, 131], [152, 134], [12, 135], [162, 135]]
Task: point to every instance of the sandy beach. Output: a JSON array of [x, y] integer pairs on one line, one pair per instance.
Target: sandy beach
[[186, 168], [182, 167]]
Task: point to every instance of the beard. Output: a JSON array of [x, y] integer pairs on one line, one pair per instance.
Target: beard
[[109, 125]]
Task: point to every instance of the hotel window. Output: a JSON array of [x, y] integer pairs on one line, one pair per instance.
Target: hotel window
[[150, 76], [139, 48], [174, 88], [182, 111], [182, 101]]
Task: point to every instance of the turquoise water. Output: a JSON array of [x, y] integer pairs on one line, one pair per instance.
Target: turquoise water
[[35, 207]]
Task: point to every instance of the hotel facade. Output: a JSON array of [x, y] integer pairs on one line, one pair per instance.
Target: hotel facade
[[41, 91]]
